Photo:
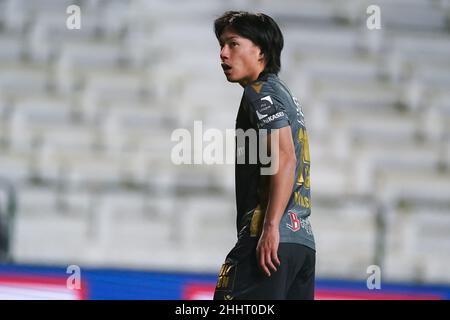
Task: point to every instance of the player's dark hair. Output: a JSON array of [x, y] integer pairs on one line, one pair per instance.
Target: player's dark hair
[[261, 29]]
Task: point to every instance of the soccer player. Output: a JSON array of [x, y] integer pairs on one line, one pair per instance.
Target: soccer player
[[274, 257]]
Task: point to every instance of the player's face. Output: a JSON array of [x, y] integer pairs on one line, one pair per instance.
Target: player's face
[[242, 60]]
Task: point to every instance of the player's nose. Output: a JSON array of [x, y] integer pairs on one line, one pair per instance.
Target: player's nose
[[224, 53]]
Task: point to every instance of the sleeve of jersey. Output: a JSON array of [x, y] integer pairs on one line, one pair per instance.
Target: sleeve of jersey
[[266, 111]]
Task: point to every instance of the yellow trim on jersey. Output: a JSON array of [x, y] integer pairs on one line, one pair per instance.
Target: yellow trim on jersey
[[257, 87], [257, 222]]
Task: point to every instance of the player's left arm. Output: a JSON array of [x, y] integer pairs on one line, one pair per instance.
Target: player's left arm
[[282, 151]]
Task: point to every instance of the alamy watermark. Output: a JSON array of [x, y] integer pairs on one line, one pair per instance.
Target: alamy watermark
[[213, 147], [74, 280], [73, 21], [373, 21], [374, 279]]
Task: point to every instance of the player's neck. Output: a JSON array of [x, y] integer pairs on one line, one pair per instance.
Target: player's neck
[[252, 78]]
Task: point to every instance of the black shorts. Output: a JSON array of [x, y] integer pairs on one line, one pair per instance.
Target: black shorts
[[240, 277]]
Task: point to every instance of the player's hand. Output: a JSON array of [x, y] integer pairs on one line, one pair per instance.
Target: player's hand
[[267, 249]]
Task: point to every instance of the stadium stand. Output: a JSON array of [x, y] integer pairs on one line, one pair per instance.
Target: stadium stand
[[86, 118]]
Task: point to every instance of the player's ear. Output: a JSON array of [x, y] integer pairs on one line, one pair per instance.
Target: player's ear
[[261, 56]]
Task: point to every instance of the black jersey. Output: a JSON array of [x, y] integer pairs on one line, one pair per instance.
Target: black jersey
[[268, 104]]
